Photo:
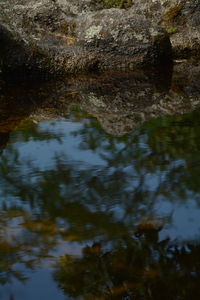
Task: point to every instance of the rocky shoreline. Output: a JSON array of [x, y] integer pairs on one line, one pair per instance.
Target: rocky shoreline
[[60, 37]]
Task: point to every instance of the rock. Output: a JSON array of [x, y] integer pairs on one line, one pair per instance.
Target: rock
[[180, 18], [186, 38], [65, 36], [75, 8], [121, 101], [121, 40]]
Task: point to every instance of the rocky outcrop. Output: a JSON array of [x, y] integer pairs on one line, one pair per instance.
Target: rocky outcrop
[[180, 18], [69, 36], [65, 36]]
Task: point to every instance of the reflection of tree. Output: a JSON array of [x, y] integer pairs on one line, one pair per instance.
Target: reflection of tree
[[25, 247], [161, 146], [175, 147], [102, 205], [137, 267]]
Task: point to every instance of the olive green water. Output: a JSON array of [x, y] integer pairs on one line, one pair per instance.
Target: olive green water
[[97, 199]]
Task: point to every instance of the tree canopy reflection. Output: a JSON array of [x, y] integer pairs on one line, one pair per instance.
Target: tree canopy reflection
[[137, 267], [109, 208]]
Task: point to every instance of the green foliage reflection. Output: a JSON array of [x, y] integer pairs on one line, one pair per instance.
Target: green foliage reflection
[[138, 267], [108, 208]]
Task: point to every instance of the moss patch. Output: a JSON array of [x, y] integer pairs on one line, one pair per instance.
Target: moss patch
[[171, 30]]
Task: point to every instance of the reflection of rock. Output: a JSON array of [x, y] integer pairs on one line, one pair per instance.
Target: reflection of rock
[[119, 125], [122, 106], [42, 101], [120, 101], [4, 138]]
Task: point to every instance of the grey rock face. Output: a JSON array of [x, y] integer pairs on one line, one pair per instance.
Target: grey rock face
[[65, 36], [180, 18], [186, 40], [122, 40]]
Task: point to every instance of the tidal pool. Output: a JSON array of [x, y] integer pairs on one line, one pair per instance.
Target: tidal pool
[[100, 195]]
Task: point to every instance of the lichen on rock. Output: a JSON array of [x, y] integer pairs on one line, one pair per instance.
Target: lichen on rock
[[180, 18], [68, 36]]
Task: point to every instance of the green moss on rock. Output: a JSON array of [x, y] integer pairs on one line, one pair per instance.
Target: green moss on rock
[[171, 30]]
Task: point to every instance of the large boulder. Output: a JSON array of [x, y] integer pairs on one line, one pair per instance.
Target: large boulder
[[121, 39], [65, 36], [180, 18]]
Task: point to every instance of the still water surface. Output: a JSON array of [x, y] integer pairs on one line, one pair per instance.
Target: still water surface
[[85, 214]]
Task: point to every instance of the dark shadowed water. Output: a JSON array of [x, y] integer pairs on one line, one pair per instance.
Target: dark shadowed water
[[100, 189]]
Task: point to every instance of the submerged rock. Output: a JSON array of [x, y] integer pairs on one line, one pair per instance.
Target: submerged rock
[[64, 36]]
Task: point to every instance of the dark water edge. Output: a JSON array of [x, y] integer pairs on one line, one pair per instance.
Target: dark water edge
[[100, 188]]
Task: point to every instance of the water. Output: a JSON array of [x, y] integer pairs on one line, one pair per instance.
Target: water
[[100, 189]]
